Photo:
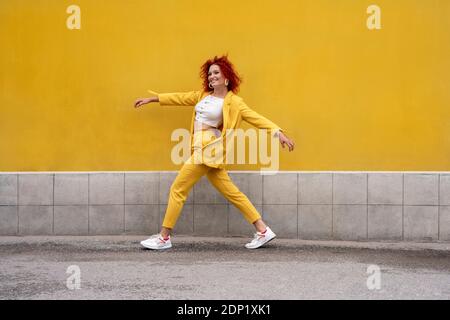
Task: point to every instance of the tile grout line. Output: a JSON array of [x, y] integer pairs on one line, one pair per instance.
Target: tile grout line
[[367, 206], [281, 204], [89, 209], [439, 206], [158, 223], [53, 206], [329, 204], [123, 217], [296, 195], [332, 205], [17, 208], [230, 171], [228, 218], [193, 205], [228, 210], [403, 206], [262, 200]]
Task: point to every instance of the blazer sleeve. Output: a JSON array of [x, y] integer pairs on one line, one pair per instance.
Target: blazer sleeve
[[178, 98], [256, 119]]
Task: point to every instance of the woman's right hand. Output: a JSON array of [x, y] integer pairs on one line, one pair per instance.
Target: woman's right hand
[[141, 101]]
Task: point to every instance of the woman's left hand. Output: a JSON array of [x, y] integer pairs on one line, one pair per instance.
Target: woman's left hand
[[285, 140]]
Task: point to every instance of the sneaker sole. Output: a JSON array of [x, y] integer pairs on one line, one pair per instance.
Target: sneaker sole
[[153, 248], [263, 243]]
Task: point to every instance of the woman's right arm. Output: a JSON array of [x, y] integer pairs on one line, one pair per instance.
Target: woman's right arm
[[179, 98], [142, 101], [172, 99]]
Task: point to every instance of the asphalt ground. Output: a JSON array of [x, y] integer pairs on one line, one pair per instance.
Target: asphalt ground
[[197, 268]]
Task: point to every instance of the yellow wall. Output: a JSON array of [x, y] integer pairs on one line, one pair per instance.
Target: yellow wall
[[351, 98]]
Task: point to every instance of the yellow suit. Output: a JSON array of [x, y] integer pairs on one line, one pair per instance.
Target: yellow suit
[[234, 111]]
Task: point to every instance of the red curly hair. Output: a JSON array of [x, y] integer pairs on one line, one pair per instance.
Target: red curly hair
[[227, 69]]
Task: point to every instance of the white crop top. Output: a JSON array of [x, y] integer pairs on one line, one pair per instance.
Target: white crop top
[[209, 111]]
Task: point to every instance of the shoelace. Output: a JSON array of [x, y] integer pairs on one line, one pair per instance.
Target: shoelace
[[257, 236], [156, 236]]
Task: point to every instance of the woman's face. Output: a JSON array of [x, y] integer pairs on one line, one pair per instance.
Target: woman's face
[[215, 76]]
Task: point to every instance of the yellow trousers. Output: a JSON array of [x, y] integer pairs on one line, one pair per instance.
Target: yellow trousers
[[191, 172]]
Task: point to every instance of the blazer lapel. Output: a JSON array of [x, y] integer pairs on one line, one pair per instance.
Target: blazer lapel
[[204, 94], [226, 110]]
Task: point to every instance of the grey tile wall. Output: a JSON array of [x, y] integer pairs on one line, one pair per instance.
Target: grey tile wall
[[35, 189], [421, 189], [315, 188], [9, 220], [324, 205], [421, 223], [385, 222], [385, 188], [349, 188], [8, 189], [349, 222], [210, 219], [106, 219], [185, 222], [282, 219], [444, 189], [444, 223], [237, 224], [142, 219], [142, 188], [35, 220], [71, 220], [280, 188], [315, 221], [106, 188], [71, 189]]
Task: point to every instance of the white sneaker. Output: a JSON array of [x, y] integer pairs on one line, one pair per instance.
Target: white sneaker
[[261, 238], [156, 242]]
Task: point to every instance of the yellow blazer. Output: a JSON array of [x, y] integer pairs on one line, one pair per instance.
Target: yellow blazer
[[234, 111]]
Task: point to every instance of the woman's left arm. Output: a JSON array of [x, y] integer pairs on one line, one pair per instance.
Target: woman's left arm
[[262, 122], [255, 118]]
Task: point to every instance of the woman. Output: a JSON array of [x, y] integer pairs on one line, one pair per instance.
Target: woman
[[217, 110]]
